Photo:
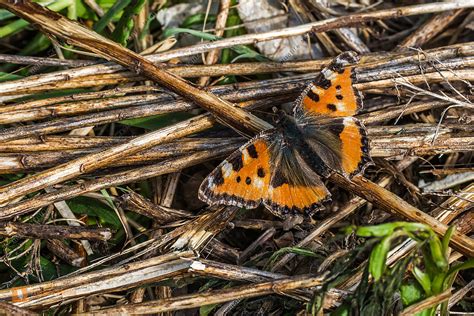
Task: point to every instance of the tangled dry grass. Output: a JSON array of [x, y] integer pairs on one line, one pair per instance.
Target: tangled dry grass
[[100, 161]]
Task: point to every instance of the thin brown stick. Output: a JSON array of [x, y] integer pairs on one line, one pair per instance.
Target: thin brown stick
[[161, 215], [10, 309], [25, 230], [213, 55], [430, 29], [43, 61], [65, 253], [215, 297], [111, 180], [58, 25]]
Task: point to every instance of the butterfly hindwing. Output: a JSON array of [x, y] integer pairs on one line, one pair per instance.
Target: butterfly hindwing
[[332, 92], [354, 146], [341, 143], [294, 186], [242, 179]]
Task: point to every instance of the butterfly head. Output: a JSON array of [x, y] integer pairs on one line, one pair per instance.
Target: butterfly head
[[280, 117]]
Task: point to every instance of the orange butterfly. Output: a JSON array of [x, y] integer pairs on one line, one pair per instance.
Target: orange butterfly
[[281, 167]]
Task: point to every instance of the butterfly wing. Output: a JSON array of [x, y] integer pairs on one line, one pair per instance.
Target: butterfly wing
[[341, 143], [294, 186], [323, 113], [267, 170], [332, 92], [242, 179]]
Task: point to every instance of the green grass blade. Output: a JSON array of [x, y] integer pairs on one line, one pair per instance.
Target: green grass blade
[[125, 25], [110, 14]]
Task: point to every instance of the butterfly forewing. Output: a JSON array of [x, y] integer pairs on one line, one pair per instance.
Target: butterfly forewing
[[332, 92], [243, 178], [266, 169]]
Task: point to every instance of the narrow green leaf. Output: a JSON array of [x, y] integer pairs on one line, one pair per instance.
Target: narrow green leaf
[[92, 207], [157, 121], [378, 257], [295, 250], [388, 229], [7, 77], [437, 253], [125, 25], [446, 239], [205, 310], [438, 282], [5, 14], [423, 279], [118, 6], [197, 19]]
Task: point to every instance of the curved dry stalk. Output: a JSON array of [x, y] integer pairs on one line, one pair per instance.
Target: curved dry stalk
[[111, 180], [37, 231], [390, 143], [58, 25], [371, 68], [426, 303], [215, 297]]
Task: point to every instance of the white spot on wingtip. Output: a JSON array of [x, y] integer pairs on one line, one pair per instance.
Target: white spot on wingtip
[[226, 169], [316, 90], [328, 74], [245, 155]]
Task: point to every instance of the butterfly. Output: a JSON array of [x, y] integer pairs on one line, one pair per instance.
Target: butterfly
[[282, 167]]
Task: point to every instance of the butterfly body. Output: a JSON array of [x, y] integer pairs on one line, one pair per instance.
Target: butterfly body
[[282, 167]]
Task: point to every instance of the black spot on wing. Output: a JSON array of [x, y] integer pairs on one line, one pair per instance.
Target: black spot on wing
[[331, 107], [252, 151], [339, 97], [237, 179], [237, 163], [313, 96], [261, 172], [248, 181], [323, 82], [218, 177]]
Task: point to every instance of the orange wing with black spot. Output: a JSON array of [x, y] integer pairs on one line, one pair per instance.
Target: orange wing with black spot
[[332, 93], [324, 113], [242, 179], [264, 171]]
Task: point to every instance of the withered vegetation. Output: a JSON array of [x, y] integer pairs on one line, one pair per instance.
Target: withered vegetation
[[108, 125]]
